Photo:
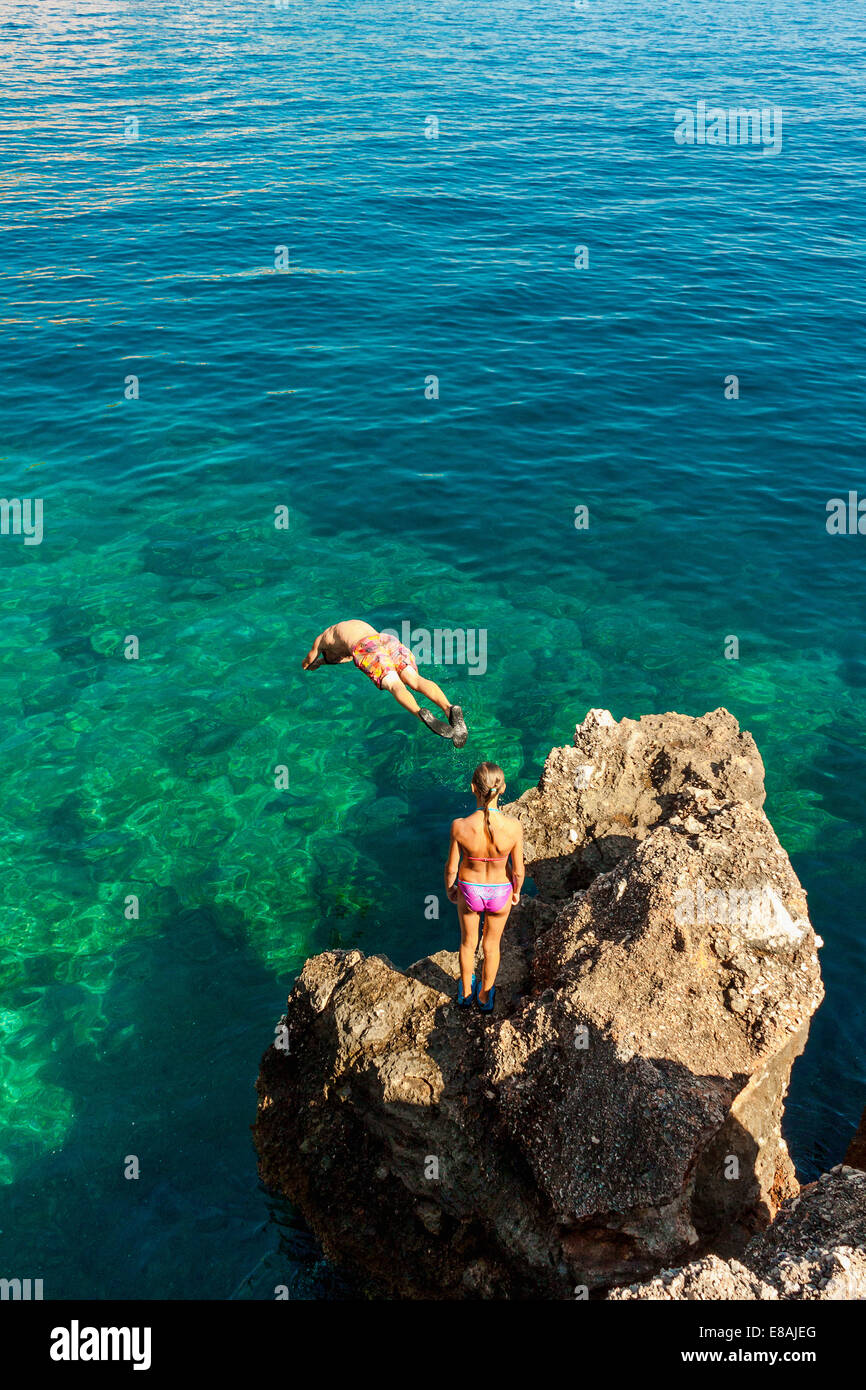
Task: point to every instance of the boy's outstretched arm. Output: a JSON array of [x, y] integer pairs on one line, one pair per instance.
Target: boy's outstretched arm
[[312, 659], [451, 864]]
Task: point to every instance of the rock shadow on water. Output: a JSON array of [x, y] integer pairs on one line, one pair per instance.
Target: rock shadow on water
[[167, 1079]]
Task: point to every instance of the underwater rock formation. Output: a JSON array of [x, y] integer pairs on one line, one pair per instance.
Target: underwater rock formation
[[815, 1249], [620, 1111]]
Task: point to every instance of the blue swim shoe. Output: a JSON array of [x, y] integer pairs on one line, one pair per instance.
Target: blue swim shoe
[[488, 1007], [463, 1001]]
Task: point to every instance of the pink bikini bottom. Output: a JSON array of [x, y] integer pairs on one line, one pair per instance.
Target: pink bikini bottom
[[485, 897]]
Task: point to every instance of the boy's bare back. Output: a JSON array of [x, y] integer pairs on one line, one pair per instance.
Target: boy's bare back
[[337, 642], [340, 640]]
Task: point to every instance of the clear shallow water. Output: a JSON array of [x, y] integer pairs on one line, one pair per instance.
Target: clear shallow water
[[304, 127]]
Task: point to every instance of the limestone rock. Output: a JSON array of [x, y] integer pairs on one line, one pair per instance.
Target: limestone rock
[[856, 1155], [617, 782], [620, 1111], [815, 1250], [709, 1278]]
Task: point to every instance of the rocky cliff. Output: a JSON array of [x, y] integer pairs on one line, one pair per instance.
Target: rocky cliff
[[620, 1111], [815, 1249], [856, 1155]]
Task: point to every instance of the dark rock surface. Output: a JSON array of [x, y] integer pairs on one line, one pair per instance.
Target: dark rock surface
[[856, 1155], [815, 1249], [620, 1111]]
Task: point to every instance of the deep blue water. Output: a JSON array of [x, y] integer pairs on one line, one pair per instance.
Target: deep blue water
[[306, 127]]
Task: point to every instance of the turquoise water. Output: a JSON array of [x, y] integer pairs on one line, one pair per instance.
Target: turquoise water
[[304, 127]]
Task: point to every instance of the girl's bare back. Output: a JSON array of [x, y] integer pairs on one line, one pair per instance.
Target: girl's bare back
[[479, 856]]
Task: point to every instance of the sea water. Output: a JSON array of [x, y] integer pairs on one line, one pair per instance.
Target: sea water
[[419, 314]]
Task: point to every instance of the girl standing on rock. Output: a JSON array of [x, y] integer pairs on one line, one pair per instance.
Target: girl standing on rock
[[482, 882]]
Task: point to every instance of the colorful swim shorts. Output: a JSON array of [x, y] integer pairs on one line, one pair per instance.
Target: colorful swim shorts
[[382, 658]]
